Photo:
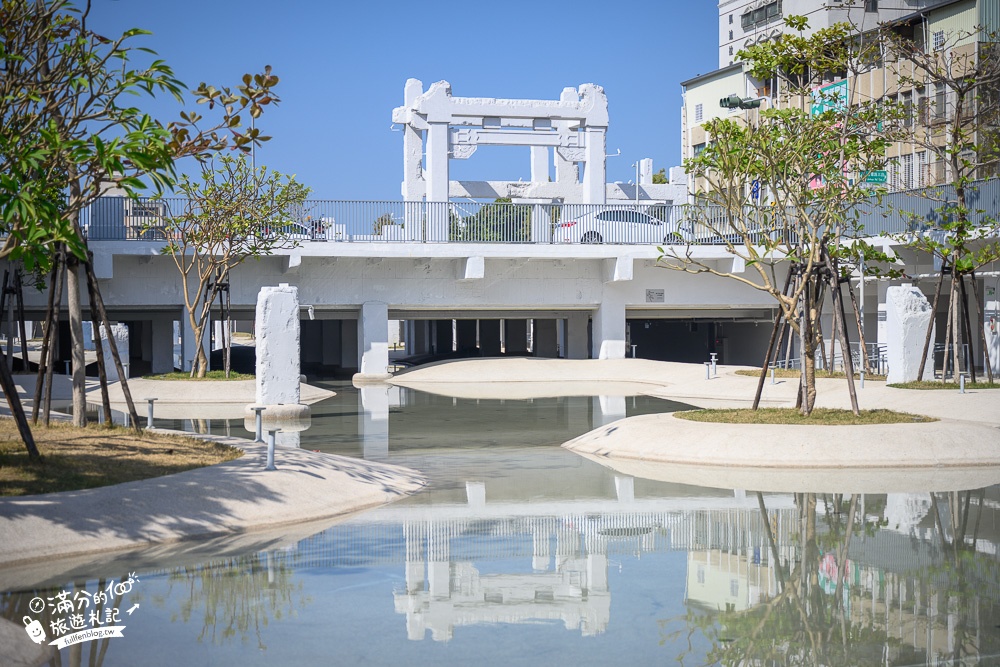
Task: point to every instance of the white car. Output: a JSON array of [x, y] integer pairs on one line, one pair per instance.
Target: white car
[[616, 225]]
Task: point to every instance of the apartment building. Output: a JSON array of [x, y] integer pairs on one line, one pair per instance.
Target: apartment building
[[931, 25]]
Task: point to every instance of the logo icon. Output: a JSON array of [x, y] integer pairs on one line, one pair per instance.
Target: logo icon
[[34, 630]]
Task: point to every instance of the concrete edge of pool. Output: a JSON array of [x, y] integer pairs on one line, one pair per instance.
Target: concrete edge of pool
[[878, 458], [228, 498]]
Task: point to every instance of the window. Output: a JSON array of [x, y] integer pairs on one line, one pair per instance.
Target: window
[[699, 113], [906, 172], [730, 50], [871, 5], [760, 16], [921, 170], [730, 19], [730, 34], [699, 149], [938, 40], [906, 103], [734, 587], [940, 110], [701, 568]]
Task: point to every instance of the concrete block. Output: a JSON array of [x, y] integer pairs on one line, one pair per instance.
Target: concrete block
[[907, 315], [120, 333], [277, 327]]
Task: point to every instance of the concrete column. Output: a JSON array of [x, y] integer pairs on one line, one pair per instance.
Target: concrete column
[[188, 343], [515, 336], [349, 344], [608, 409], [609, 326], [218, 329], [489, 338], [576, 335], [120, 332], [443, 338], [594, 177], [546, 339], [436, 176], [991, 325], [907, 316], [162, 360], [541, 223], [539, 164], [466, 332], [373, 340], [420, 343], [277, 327]]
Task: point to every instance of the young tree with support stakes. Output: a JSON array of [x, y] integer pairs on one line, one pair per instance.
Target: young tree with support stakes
[[957, 123], [69, 125], [780, 191], [233, 212]]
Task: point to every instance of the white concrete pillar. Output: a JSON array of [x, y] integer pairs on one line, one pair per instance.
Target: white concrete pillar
[[88, 335], [539, 164], [218, 329], [908, 314], [594, 175], [162, 360], [413, 149], [609, 326], [277, 327], [436, 176], [373, 339], [120, 333], [991, 326], [625, 488], [188, 343], [608, 409], [576, 335], [546, 339]]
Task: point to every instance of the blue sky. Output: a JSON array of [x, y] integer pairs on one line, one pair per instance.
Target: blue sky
[[343, 66]]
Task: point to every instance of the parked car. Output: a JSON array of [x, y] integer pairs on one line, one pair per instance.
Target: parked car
[[616, 225]]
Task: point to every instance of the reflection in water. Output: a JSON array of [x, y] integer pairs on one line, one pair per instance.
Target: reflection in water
[[848, 593], [541, 555]]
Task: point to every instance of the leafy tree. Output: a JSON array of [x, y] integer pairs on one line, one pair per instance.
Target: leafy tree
[[957, 123], [780, 188], [501, 221], [660, 177], [70, 126], [232, 212]]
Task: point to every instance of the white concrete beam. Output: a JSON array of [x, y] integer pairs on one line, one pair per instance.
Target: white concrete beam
[[471, 268], [618, 269]]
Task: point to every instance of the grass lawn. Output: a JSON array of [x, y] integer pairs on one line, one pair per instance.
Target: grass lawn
[[819, 417], [794, 373], [75, 458], [210, 375], [952, 386]]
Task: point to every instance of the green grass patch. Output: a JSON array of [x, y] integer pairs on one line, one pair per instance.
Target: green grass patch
[[84, 458], [819, 417], [950, 386], [794, 373], [210, 375]]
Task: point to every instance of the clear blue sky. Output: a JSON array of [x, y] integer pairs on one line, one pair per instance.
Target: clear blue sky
[[343, 66]]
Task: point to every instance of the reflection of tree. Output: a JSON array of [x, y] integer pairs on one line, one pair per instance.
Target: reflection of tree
[[820, 617], [238, 596]]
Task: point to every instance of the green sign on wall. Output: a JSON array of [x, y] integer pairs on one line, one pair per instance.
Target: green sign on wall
[[876, 176]]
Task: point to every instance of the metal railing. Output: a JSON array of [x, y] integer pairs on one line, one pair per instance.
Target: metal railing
[[119, 218]]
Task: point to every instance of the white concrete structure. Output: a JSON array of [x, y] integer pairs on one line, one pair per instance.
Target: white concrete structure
[[907, 315], [277, 327], [991, 327], [120, 332]]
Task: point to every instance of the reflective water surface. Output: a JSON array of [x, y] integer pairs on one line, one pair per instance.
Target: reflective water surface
[[522, 553]]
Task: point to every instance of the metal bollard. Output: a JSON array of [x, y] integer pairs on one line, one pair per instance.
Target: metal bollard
[[149, 412], [862, 379], [270, 449], [772, 374], [961, 383], [258, 423], [633, 350], [708, 370], [715, 367]]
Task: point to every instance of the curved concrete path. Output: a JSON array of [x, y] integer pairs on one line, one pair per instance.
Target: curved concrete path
[[227, 498]]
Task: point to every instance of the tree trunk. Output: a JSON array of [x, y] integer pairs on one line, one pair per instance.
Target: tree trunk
[[845, 343], [55, 282], [967, 327], [76, 337], [808, 353], [17, 410], [103, 313], [930, 327], [772, 350], [102, 372], [981, 325], [861, 330]]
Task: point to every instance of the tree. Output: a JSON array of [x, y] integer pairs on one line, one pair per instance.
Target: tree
[[780, 189], [500, 221], [69, 126], [232, 212], [957, 123], [660, 177]]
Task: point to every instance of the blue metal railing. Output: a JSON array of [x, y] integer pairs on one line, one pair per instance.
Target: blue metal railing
[[119, 218]]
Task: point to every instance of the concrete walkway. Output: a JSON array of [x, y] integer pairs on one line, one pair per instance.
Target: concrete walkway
[[227, 498], [762, 457]]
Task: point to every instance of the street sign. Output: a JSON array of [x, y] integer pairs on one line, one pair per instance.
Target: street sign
[[876, 176]]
